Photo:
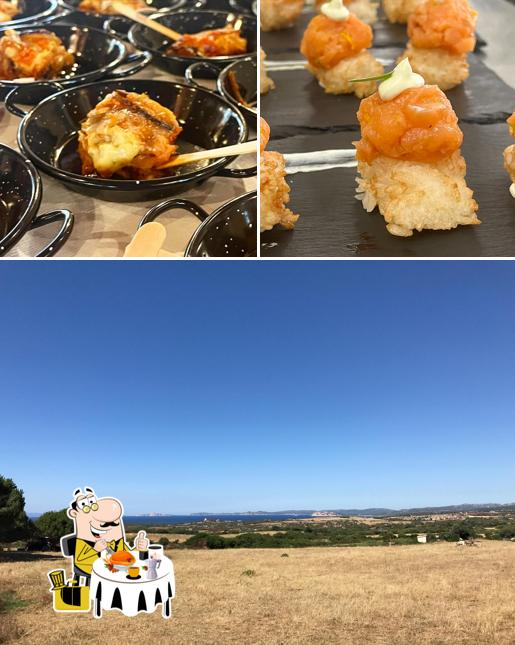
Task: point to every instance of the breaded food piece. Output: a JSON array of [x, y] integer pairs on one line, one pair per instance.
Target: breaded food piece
[[419, 124], [337, 79], [437, 66], [274, 191], [129, 135], [266, 83], [264, 134], [416, 196], [400, 10], [443, 24], [326, 42], [509, 161], [106, 6], [36, 55], [8, 10], [279, 14], [365, 10], [509, 155], [210, 43]]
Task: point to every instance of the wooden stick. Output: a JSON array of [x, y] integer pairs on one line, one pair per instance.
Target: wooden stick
[[131, 13], [215, 153], [147, 241]]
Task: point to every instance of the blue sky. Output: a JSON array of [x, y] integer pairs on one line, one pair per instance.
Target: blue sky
[[212, 386]]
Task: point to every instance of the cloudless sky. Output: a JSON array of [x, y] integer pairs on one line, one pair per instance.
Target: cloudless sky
[[231, 386]]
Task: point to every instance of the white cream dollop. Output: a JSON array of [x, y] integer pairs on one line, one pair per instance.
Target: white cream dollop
[[403, 78], [512, 190], [335, 10]]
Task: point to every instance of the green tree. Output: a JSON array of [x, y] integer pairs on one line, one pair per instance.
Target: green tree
[[54, 524], [14, 523], [164, 541], [463, 530]]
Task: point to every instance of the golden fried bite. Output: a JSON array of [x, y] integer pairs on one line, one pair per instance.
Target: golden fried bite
[[509, 155], [274, 191], [437, 66], [129, 135], [266, 83], [400, 10], [409, 162], [279, 14], [106, 6], [213, 42], [415, 196], [365, 10], [8, 10], [337, 53], [442, 33], [36, 55]]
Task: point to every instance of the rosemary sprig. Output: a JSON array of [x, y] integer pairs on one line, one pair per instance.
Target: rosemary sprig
[[383, 77]]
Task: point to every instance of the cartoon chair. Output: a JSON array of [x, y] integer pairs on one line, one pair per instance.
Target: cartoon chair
[[69, 595]]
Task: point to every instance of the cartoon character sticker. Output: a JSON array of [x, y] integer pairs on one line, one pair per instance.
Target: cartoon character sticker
[[106, 570]]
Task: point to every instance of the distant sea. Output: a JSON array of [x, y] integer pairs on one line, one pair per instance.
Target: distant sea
[[187, 519]]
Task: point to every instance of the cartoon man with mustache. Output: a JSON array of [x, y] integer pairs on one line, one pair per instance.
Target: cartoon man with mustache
[[98, 527]]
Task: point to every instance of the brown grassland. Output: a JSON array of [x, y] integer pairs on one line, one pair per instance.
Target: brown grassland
[[421, 594]]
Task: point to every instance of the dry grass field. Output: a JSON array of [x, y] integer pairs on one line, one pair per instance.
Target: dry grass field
[[435, 593]]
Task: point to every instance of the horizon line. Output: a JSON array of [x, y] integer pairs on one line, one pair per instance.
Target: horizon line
[[308, 510]]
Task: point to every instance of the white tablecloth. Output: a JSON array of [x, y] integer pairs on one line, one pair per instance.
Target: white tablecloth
[[113, 590]]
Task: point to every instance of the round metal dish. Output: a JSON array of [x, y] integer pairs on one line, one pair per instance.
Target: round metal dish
[[20, 198], [230, 231], [208, 121]]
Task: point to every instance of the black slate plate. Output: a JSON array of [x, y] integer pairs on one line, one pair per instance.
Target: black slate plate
[[333, 223], [386, 34], [298, 104]]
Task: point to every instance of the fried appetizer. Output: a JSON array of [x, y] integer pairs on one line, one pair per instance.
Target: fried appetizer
[[274, 191], [266, 83], [37, 55], [8, 10], [509, 156], [129, 135], [365, 10], [409, 159], [400, 10], [442, 33], [214, 42], [279, 14], [106, 6], [335, 44]]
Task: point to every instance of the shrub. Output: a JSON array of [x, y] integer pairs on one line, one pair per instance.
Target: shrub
[[54, 524]]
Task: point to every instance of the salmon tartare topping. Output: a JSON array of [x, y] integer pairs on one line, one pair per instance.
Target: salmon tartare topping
[[445, 24], [417, 125], [326, 42]]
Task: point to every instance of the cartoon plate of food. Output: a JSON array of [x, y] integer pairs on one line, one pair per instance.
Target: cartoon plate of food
[[119, 561]]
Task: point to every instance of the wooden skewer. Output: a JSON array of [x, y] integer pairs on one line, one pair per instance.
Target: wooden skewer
[[131, 13], [215, 153], [147, 241]]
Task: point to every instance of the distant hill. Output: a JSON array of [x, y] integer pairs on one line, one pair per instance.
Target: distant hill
[[387, 512]]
